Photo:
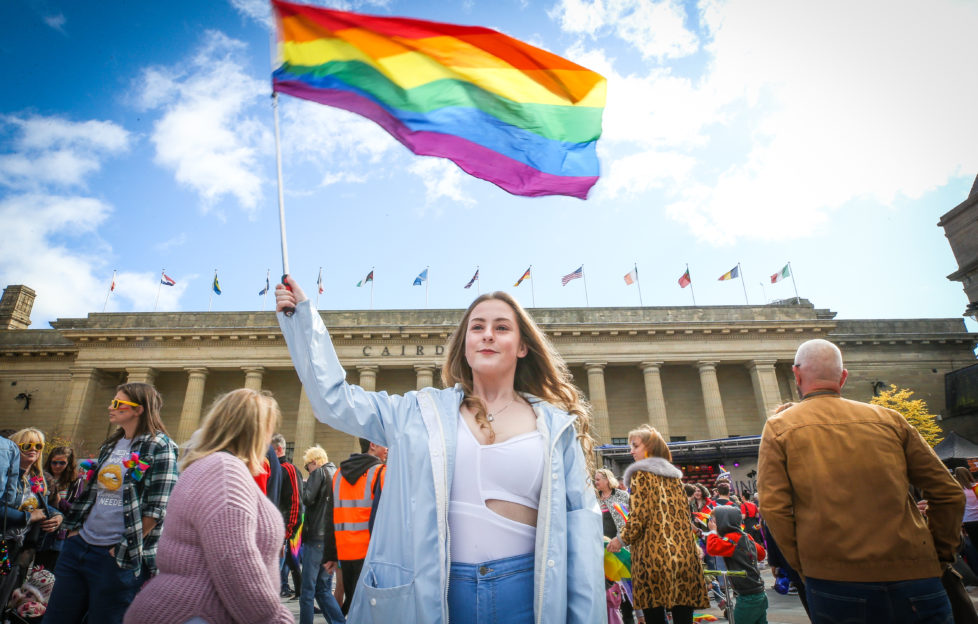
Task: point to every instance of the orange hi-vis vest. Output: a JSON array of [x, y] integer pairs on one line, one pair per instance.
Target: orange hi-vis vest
[[351, 512]]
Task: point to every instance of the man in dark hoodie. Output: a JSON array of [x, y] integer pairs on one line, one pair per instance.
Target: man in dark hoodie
[[741, 553], [356, 492]]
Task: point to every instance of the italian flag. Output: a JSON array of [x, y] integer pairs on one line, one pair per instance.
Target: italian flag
[[780, 275]]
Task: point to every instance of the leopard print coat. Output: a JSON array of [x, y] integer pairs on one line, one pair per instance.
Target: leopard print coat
[[666, 569]]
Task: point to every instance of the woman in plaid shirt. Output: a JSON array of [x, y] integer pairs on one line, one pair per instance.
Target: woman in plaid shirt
[[115, 524]]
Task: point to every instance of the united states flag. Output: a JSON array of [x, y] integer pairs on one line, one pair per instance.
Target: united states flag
[[572, 276]]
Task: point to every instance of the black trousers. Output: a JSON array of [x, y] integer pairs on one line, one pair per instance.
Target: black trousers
[[350, 570]]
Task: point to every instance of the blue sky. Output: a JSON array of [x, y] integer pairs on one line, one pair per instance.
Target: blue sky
[[139, 136]]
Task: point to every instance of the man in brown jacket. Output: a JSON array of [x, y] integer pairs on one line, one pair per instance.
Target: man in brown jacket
[[834, 479]]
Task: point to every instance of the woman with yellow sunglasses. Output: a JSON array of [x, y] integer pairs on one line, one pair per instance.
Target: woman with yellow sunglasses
[[30, 500], [114, 525]]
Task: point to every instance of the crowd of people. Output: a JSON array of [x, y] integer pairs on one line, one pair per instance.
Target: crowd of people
[[486, 508]]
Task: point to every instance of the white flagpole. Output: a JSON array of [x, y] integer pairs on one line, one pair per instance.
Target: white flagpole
[[533, 290], [109, 294], [268, 275], [158, 288], [638, 282], [584, 277], [281, 199], [792, 272], [211, 298], [691, 285], [372, 280], [743, 283], [478, 283], [764, 292], [426, 278]]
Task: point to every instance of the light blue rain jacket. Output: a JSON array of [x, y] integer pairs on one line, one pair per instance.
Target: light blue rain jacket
[[405, 575]]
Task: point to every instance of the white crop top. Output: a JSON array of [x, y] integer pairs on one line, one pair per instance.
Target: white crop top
[[508, 471]]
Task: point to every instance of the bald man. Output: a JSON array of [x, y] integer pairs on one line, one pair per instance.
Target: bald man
[[834, 479]]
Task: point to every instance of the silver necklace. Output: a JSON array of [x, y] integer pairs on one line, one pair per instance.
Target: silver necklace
[[491, 417]]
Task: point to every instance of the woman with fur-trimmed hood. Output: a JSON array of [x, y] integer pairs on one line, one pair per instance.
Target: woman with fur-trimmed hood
[[666, 569]]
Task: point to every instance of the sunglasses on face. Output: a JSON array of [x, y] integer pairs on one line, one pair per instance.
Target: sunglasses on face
[[59, 463], [118, 404], [31, 446]]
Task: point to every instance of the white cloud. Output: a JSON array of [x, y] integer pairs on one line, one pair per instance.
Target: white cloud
[[56, 151], [177, 241], [442, 179], [208, 134], [639, 173], [69, 281], [799, 110], [657, 29], [56, 21]]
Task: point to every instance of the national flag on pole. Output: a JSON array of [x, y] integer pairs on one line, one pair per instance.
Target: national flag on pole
[[112, 287], [579, 273], [166, 280], [266, 288], [685, 281], [504, 111], [780, 275], [526, 274], [472, 281], [319, 282], [729, 275], [216, 285], [421, 278], [369, 278], [632, 276]]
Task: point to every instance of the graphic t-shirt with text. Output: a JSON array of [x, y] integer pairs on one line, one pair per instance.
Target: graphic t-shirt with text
[[106, 523]]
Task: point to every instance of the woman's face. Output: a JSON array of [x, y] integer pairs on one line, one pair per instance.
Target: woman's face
[[637, 449], [124, 415], [601, 482], [697, 494], [58, 464], [30, 456], [492, 339]]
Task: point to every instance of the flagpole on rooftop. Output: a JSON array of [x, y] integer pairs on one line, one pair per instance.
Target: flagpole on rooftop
[[743, 282], [158, 287], [792, 273], [638, 282], [764, 292], [533, 290], [584, 276], [319, 286], [268, 275], [210, 299], [478, 284], [693, 294], [371, 288], [109, 294]]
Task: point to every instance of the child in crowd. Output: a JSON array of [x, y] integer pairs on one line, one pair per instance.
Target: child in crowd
[[741, 553]]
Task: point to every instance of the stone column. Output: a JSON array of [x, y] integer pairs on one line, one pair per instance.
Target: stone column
[[655, 400], [253, 376], [368, 377], [766, 391], [426, 375], [193, 401], [305, 427], [599, 401], [141, 374], [368, 381], [78, 401], [715, 421]]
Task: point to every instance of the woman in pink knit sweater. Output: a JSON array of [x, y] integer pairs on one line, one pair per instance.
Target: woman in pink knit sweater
[[219, 553]]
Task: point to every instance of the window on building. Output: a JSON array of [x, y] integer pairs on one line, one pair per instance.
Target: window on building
[[289, 450], [619, 440], [677, 438]]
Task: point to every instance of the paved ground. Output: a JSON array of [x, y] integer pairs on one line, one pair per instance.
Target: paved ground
[[781, 609]]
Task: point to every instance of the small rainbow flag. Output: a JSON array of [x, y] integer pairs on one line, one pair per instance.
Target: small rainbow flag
[[504, 111]]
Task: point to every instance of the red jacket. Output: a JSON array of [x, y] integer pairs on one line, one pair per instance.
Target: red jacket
[[725, 546]]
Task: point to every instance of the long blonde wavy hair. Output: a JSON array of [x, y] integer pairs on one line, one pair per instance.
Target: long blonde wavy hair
[[31, 434], [240, 422], [542, 373]]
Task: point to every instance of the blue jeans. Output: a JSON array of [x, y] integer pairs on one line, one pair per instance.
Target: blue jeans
[[494, 592], [899, 602], [88, 580], [316, 584]]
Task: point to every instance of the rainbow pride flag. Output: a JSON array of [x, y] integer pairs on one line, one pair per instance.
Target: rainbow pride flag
[[502, 110]]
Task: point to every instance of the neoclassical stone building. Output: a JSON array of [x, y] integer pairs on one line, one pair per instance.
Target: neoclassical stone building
[[693, 372]]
